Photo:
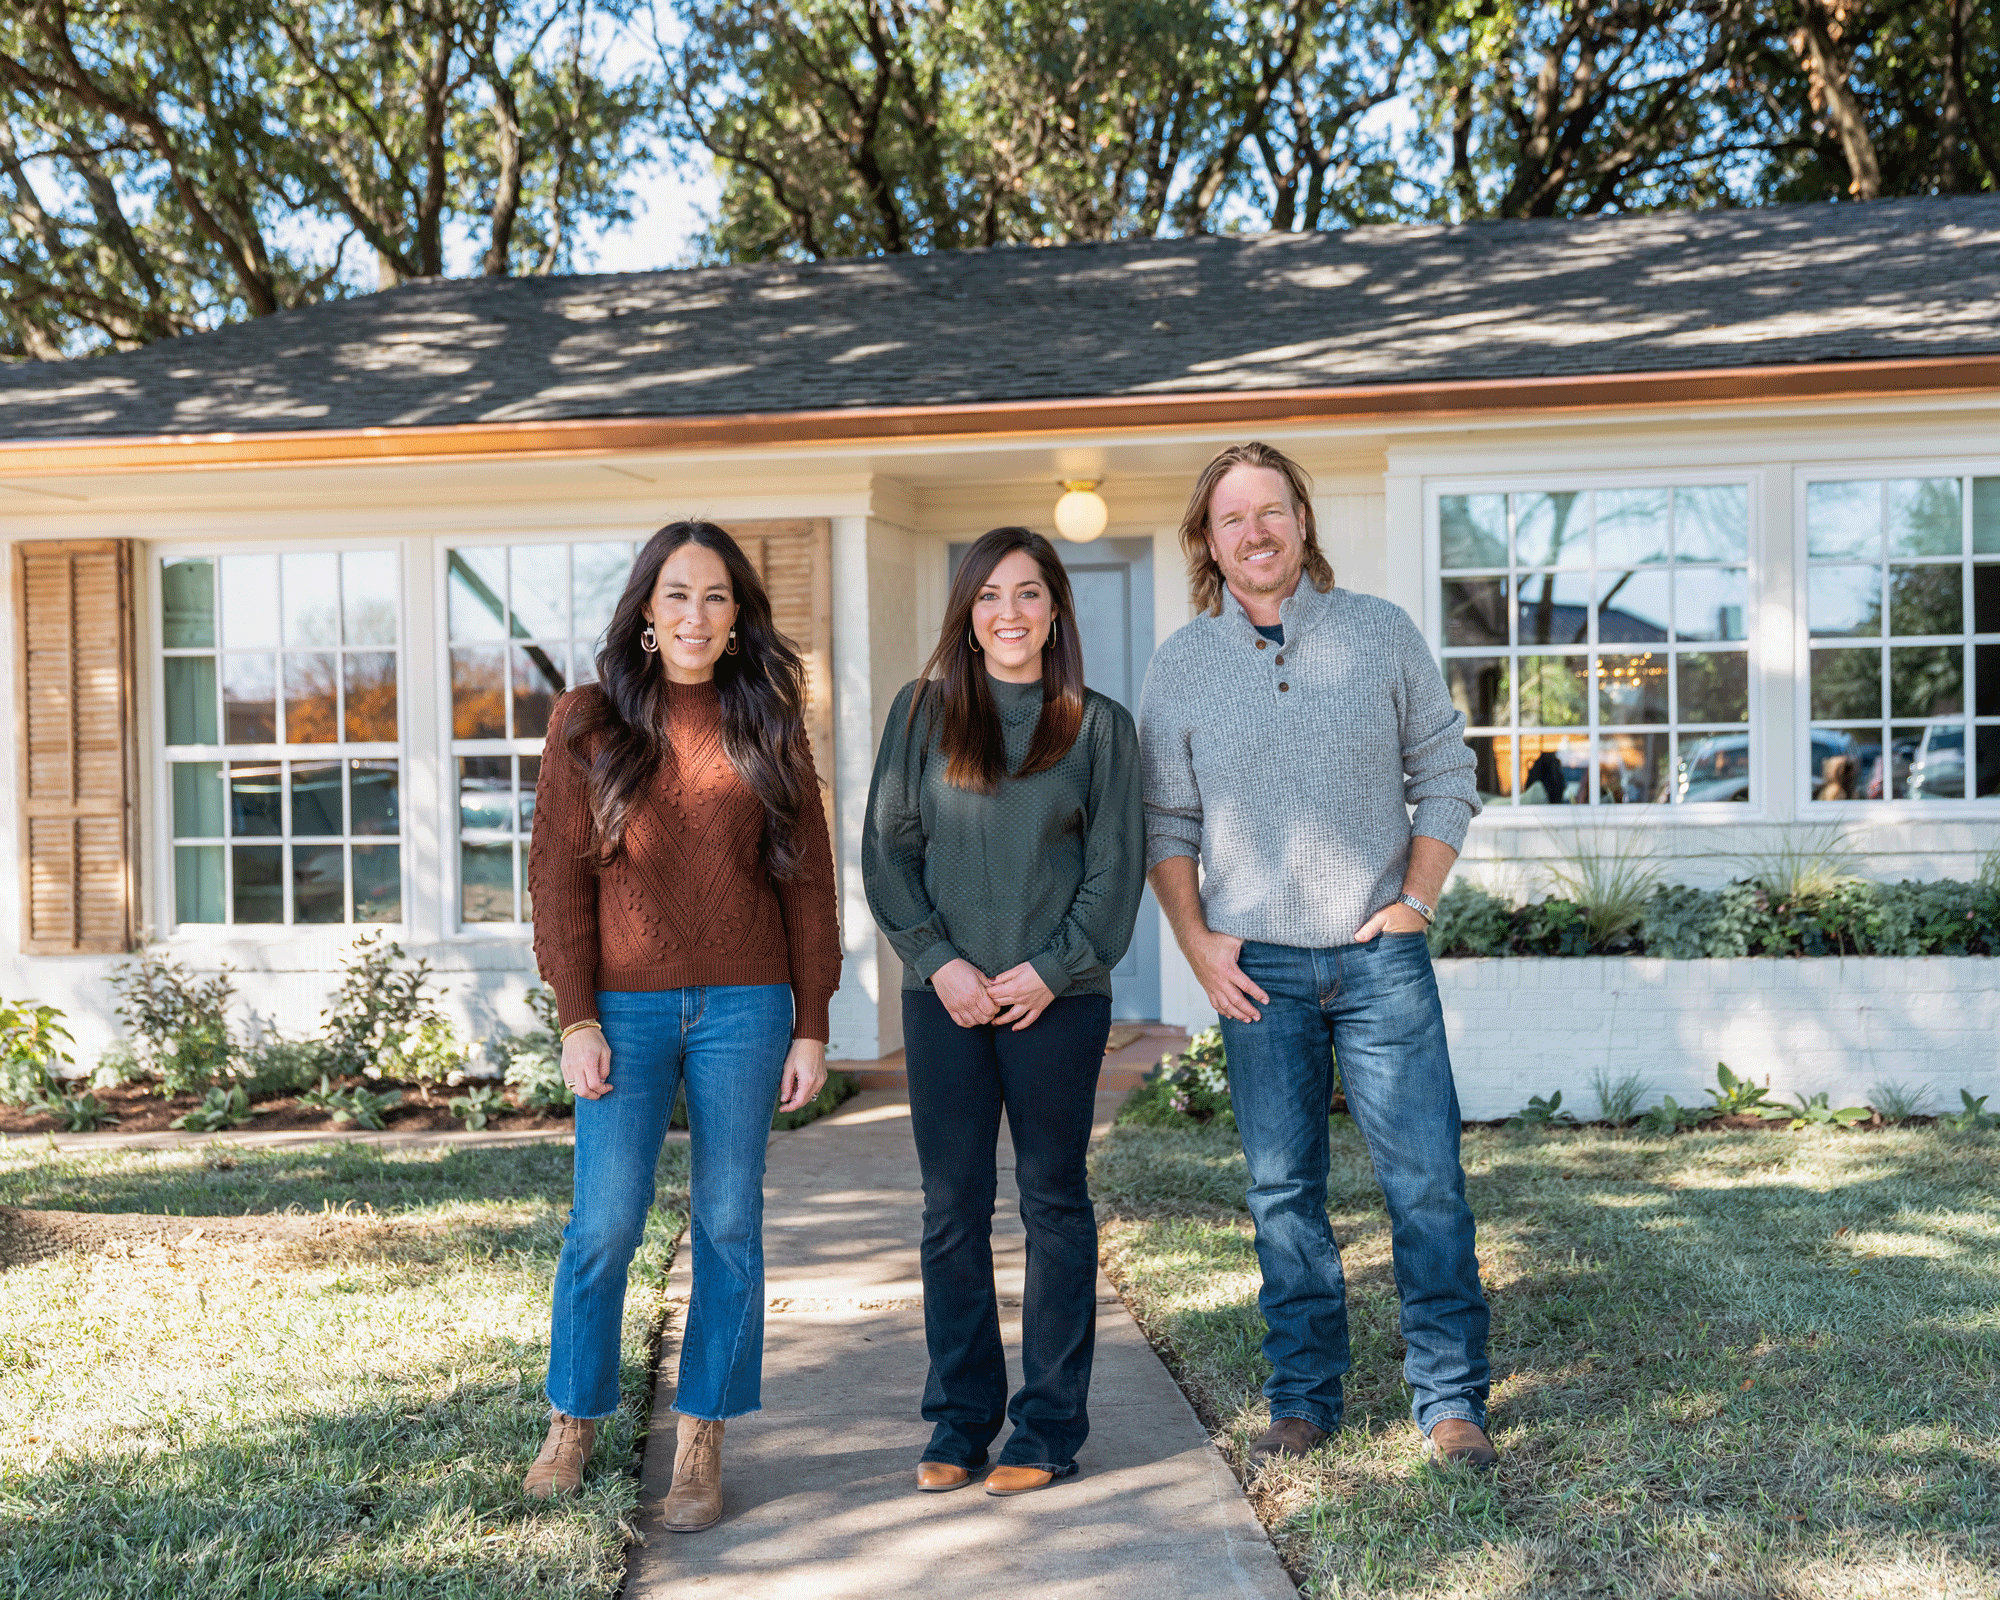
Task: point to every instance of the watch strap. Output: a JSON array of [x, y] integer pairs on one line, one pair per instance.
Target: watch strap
[[1417, 906]]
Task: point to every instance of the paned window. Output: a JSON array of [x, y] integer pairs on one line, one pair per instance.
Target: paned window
[[1903, 613], [525, 622], [1595, 640], [283, 737]]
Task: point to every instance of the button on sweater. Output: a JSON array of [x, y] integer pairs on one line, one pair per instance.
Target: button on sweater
[[689, 902], [1045, 870], [1289, 771]]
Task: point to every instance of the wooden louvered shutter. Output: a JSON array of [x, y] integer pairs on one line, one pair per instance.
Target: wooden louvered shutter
[[74, 697], [795, 560]]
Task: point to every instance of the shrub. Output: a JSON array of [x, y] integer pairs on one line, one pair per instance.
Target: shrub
[[78, 1113], [1196, 1082], [534, 1058], [378, 1004], [1816, 1113], [1471, 922], [32, 1038], [427, 1052], [1671, 1117], [356, 1105], [1975, 1118], [1686, 924], [179, 1022]]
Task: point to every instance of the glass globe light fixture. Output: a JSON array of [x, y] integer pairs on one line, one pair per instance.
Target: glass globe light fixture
[[1081, 514]]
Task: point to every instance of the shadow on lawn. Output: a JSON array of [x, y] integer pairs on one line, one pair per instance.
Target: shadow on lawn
[[338, 1177], [415, 1495]]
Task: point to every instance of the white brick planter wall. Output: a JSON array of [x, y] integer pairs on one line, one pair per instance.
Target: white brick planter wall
[[1522, 1026]]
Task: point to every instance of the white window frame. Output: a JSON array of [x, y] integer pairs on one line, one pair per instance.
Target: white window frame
[[1647, 814], [1898, 810], [451, 867], [166, 900]]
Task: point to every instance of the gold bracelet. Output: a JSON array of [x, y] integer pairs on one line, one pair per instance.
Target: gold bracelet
[[578, 1027]]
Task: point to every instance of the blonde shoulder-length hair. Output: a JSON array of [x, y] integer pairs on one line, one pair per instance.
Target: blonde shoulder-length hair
[[1204, 575]]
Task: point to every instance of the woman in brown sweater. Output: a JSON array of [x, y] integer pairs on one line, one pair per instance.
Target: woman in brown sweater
[[684, 918]]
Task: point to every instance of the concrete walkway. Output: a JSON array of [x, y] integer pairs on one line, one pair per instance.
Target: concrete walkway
[[818, 1487]]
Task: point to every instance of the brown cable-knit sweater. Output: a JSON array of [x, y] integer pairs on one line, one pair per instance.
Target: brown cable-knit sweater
[[689, 901]]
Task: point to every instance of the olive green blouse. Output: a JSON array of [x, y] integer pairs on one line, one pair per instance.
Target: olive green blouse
[[1048, 869]]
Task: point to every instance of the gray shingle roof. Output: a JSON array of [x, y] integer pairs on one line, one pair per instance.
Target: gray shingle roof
[[1384, 305]]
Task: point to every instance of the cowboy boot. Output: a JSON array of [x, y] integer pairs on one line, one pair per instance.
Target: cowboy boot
[[695, 1500], [559, 1468]]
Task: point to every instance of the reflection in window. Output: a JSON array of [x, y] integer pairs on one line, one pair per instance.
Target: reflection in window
[[1596, 642], [525, 624], [282, 726], [1902, 586]]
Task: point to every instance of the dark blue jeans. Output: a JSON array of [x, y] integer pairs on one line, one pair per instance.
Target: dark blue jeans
[[1046, 1079], [727, 1043], [1377, 1005]]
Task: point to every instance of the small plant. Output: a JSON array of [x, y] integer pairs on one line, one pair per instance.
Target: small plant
[[1975, 1118], [1803, 868], [119, 1064], [1618, 1098], [1197, 1080], [179, 1022], [220, 1108], [1540, 1113], [31, 1043], [276, 1065], [362, 1107], [1816, 1113], [1739, 1097], [477, 1106], [1898, 1102], [378, 1003], [1671, 1117], [1613, 877], [427, 1052], [78, 1113]]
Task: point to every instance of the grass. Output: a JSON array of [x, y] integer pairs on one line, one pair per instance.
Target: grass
[[1729, 1364], [336, 1399]]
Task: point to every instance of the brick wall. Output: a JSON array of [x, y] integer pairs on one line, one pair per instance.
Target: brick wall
[[1521, 1026]]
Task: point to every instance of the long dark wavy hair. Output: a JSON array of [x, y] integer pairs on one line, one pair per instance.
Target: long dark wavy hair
[[954, 681], [620, 738]]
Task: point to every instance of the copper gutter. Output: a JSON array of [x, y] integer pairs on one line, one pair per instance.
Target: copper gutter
[[1027, 419]]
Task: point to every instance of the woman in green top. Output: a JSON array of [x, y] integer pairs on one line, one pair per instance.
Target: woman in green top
[[1004, 859]]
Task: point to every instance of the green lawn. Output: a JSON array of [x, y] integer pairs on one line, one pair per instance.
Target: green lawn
[[301, 1407], [1735, 1364]]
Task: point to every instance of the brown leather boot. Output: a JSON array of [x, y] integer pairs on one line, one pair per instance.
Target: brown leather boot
[[1288, 1436], [1463, 1442], [559, 1468], [695, 1500]]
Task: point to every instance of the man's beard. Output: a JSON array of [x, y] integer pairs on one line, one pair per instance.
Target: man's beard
[[1263, 580]]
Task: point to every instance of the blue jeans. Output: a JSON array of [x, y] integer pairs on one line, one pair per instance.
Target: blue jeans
[[728, 1045], [1046, 1079], [1377, 1005]]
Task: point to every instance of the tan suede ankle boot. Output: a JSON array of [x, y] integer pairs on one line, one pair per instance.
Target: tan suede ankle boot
[[695, 1501], [559, 1468]]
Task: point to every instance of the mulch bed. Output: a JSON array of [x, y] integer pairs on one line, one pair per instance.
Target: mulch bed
[[140, 1109]]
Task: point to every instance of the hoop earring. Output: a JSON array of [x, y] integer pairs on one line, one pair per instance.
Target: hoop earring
[[1055, 632], [972, 644], [649, 641], [731, 647]]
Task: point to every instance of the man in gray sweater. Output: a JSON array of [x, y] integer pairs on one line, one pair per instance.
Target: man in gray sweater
[[1307, 786]]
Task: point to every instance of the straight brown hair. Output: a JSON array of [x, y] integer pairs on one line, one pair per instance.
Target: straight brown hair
[[1204, 575], [954, 681]]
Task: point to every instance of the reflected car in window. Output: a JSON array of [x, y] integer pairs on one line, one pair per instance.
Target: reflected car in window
[[1937, 766]]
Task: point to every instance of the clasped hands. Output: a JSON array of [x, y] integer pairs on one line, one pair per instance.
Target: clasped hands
[[1016, 998]]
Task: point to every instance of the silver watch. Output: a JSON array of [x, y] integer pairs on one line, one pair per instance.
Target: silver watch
[[1417, 906]]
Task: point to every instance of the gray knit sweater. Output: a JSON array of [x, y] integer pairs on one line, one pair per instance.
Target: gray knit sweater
[[1288, 770]]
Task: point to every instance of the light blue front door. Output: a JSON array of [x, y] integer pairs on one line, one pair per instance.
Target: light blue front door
[[1112, 584]]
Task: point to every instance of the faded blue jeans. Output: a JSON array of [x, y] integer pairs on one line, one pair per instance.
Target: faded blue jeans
[[1376, 1004], [727, 1043]]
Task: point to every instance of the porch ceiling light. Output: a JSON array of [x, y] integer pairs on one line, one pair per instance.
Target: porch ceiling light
[[1081, 514]]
